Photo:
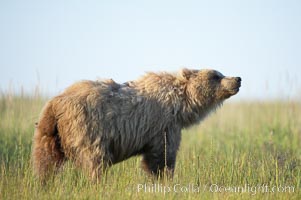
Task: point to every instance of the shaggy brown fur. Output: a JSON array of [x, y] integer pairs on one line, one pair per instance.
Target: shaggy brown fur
[[99, 123]]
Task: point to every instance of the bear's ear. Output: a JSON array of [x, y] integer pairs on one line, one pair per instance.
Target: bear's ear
[[187, 73]]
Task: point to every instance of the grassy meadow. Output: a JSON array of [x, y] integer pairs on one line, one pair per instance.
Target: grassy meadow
[[245, 150]]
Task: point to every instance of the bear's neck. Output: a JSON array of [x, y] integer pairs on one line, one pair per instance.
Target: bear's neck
[[194, 114], [195, 108]]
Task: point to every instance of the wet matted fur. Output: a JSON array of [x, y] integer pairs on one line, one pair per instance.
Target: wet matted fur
[[99, 123]]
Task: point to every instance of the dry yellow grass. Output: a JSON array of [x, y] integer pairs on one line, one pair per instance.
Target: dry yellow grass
[[245, 150]]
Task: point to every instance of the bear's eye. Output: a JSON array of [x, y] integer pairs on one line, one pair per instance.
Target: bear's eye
[[215, 77]]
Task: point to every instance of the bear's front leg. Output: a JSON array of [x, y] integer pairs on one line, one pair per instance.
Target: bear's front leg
[[154, 163], [160, 155]]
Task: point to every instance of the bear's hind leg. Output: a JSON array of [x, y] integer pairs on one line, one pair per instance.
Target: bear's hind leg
[[47, 155]]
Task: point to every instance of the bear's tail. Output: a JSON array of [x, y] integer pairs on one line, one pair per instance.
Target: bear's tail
[[47, 154]]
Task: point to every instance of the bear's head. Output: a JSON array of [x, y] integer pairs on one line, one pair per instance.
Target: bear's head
[[209, 86]]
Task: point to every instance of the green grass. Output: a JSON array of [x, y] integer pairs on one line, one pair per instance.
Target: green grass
[[245, 144]]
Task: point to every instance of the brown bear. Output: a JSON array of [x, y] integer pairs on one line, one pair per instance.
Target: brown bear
[[96, 124]]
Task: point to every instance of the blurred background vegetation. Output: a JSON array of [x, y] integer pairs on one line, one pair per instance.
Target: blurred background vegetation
[[254, 143]]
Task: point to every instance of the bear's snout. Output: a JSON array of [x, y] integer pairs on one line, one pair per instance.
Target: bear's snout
[[230, 86], [238, 79]]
